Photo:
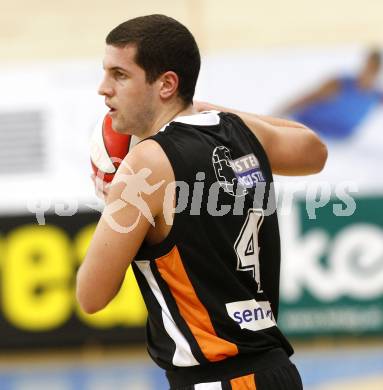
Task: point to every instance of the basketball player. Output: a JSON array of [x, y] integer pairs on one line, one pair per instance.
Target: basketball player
[[209, 267]]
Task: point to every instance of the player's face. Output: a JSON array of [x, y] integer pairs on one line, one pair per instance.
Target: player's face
[[131, 99]]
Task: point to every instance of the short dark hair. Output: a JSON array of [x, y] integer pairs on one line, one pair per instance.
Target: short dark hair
[[163, 44]]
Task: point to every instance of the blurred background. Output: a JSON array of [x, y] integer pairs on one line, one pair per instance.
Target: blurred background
[[301, 59]]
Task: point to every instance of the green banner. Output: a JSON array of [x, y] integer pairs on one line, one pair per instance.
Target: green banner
[[332, 270]]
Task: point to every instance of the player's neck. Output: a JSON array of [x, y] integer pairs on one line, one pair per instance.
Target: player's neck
[[167, 115]]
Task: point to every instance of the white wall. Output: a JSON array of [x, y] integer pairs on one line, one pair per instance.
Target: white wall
[[41, 29]]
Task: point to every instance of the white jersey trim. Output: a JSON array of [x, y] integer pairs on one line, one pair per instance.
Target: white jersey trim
[[204, 118], [183, 356]]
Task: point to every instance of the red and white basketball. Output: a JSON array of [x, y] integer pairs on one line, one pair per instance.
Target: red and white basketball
[[108, 148]]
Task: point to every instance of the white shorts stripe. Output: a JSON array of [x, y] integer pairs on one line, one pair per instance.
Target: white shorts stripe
[[183, 355], [208, 386]]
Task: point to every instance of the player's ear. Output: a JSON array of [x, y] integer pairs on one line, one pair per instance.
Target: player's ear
[[168, 84]]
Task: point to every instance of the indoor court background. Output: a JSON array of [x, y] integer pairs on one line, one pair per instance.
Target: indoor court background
[[257, 55]]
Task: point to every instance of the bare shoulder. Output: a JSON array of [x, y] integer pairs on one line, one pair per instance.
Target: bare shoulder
[[148, 154]]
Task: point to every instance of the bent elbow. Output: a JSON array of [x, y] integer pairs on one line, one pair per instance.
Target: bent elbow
[[315, 152], [320, 156], [87, 301], [87, 305]]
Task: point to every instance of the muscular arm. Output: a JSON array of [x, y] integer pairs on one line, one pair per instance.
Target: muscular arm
[[292, 148], [114, 243]]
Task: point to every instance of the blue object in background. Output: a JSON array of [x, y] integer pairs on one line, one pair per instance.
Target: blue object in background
[[338, 116]]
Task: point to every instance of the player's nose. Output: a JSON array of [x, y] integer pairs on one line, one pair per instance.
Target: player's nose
[[105, 88]]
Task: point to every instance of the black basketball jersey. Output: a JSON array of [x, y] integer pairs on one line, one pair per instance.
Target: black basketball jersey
[[212, 286]]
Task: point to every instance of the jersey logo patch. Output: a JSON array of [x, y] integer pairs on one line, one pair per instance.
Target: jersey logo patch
[[248, 171], [236, 176], [222, 164], [251, 314]]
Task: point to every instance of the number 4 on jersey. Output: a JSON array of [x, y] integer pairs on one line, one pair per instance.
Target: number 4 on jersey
[[246, 245]]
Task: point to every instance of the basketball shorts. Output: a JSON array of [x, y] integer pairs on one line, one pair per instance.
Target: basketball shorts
[[279, 378], [271, 371]]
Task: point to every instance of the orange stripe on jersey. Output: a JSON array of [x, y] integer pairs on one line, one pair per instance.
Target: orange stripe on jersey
[[191, 309], [246, 382]]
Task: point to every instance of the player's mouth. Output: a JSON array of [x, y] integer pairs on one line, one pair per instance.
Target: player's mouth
[[112, 110]]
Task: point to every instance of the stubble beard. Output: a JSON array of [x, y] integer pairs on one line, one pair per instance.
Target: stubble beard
[[143, 122]]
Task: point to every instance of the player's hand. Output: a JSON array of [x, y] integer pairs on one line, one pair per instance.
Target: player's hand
[[101, 187]]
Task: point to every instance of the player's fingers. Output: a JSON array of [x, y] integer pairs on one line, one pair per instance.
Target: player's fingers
[[106, 189], [101, 187]]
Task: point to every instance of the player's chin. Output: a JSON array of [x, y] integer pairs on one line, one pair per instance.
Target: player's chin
[[118, 125]]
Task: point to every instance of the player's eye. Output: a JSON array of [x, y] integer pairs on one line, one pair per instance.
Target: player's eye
[[119, 75]]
